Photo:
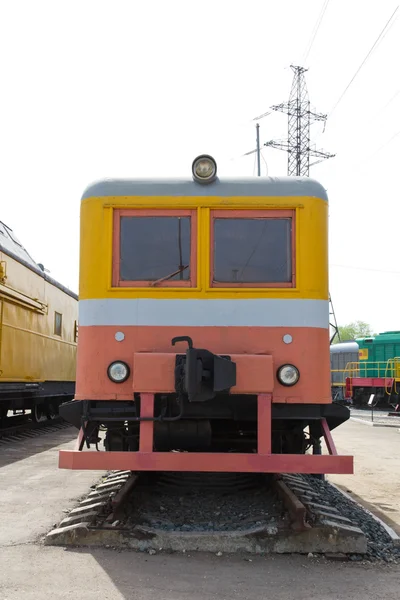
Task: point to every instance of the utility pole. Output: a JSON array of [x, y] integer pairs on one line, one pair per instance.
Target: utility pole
[[258, 150], [299, 119]]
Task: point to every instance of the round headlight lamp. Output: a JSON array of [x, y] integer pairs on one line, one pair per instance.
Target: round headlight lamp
[[118, 371], [204, 169], [288, 375]]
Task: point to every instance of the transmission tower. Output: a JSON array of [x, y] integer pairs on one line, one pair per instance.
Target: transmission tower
[[299, 120], [298, 147]]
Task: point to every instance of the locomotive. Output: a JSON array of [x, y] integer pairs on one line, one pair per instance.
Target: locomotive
[[38, 334], [204, 327], [367, 366]]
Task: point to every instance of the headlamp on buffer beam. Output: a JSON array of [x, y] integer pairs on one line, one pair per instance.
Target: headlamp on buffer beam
[[118, 371], [288, 375]]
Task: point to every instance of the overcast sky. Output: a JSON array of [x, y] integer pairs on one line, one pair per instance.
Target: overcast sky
[[94, 89]]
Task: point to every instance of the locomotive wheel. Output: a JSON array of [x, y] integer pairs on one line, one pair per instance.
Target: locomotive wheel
[[114, 442], [37, 413], [50, 412]]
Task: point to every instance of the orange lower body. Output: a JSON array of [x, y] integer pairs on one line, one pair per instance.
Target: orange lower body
[[308, 350], [257, 353]]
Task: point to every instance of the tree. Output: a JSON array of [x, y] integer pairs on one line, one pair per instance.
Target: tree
[[352, 331]]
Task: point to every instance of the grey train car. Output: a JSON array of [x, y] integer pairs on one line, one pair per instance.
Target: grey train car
[[341, 354]]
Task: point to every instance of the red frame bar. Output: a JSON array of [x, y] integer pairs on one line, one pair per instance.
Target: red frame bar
[[146, 433], [371, 381], [206, 462], [330, 444], [79, 440], [264, 423], [261, 462]]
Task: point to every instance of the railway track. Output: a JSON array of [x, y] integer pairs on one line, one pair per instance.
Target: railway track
[[224, 513], [24, 429]]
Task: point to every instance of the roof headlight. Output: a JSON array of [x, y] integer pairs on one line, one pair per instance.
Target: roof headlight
[[204, 169], [118, 371], [288, 375]]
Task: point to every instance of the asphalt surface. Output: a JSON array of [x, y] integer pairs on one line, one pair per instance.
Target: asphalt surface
[[34, 493]]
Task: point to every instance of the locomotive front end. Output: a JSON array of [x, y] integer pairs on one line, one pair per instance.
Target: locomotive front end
[[204, 327]]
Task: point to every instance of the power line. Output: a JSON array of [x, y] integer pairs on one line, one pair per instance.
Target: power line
[[378, 39], [315, 31], [369, 157], [266, 164], [363, 269], [376, 151], [383, 107]]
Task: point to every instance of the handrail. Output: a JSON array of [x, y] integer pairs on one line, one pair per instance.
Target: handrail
[[388, 370]]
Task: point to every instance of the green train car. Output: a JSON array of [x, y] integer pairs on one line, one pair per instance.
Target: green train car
[[377, 370], [375, 351]]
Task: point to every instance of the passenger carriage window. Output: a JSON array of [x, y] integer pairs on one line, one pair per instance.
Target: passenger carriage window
[[57, 323], [252, 251], [155, 250]]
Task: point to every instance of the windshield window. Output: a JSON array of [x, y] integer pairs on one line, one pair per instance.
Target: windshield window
[[253, 250], [155, 249]]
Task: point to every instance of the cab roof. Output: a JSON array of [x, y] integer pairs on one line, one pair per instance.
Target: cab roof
[[245, 186]]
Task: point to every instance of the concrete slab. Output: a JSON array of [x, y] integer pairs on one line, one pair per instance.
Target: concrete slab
[[331, 533]]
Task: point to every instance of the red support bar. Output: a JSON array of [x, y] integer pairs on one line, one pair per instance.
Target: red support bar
[[330, 444], [379, 382], [205, 462], [264, 416], [146, 433], [79, 441], [261, 462]]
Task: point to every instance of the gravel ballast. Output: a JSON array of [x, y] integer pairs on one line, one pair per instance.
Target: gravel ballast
[[200, 504], [380, 544]]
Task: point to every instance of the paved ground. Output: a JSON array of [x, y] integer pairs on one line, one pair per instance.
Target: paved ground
[[376, 479], [32, 498], [32, 573], [34, 492], [375, 417]]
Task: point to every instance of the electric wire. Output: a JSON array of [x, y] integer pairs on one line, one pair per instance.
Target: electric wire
[[266, 164], [368, 158], [351, 268], [374, 45], [383, 108], [315, 31]]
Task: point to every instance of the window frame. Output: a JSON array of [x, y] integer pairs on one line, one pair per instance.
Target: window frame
[[253, 214], [117, 282]]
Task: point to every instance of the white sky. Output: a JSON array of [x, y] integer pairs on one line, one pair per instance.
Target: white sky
[[94, 89]]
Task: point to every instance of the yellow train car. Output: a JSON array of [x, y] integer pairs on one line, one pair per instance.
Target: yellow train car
[[38, 334], [204, 326]]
